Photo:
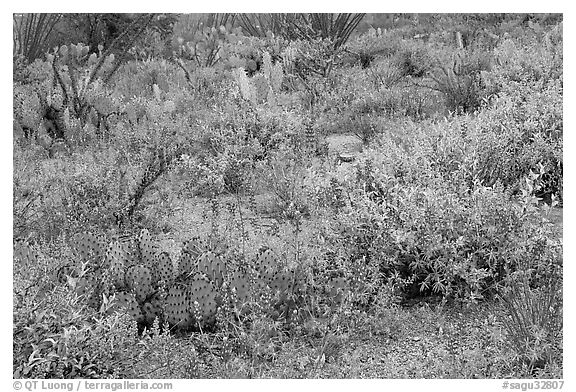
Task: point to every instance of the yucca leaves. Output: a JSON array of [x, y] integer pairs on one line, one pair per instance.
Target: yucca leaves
[[334, 27]]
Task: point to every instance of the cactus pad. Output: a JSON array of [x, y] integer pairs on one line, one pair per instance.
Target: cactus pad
[[139, 280], [86, 284], [163, 268], [282, 282], [88, 246], [64, 272], [213, 266], [129, 247], [128, 302], [147, 248], [116, 261], [176, 308], [203, 300], [265, 265], [186, 264], [239, 282], [337, 286]]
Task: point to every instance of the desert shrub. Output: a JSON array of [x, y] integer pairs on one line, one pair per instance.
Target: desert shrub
[[136, 79], [304, 59], [66, 194], [248, 52], [460, 81], [503, 143], [230, 144], [284, 176], [372, 92], [162, 354], [88, 189], [385, 73], [524, 128], [226, 170], [65, 94], [529, 62], [56, 335], [412, 102], [126, 33], [70, 347], [373, 45], [445, 208], [531, 301], [415, 60], [450, 238], [156, 39]]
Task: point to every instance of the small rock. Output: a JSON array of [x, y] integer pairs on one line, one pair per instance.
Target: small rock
[[347, 158]]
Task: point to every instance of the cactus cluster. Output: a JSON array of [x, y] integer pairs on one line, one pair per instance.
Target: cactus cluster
[[147, 284], [144, 281], [263, 86]]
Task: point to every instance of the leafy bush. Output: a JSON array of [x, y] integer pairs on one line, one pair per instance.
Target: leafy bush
[[526, 135], [55, 334], [531, 62], [453, 239]]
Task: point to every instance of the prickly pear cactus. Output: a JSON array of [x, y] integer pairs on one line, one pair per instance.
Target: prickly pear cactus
[[88, 246], [203, 301], [147, 248], [240, 285], [282, 282], [65, 271], [266, 264], [128, 302], [152, 310], [163, 269], [186, 264], [213, 267], [89, 287], [176, 308], [116, 261], [132, 251], [139, 281], [195, 247]]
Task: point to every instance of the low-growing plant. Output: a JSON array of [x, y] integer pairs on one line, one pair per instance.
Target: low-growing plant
[[532, 315]]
